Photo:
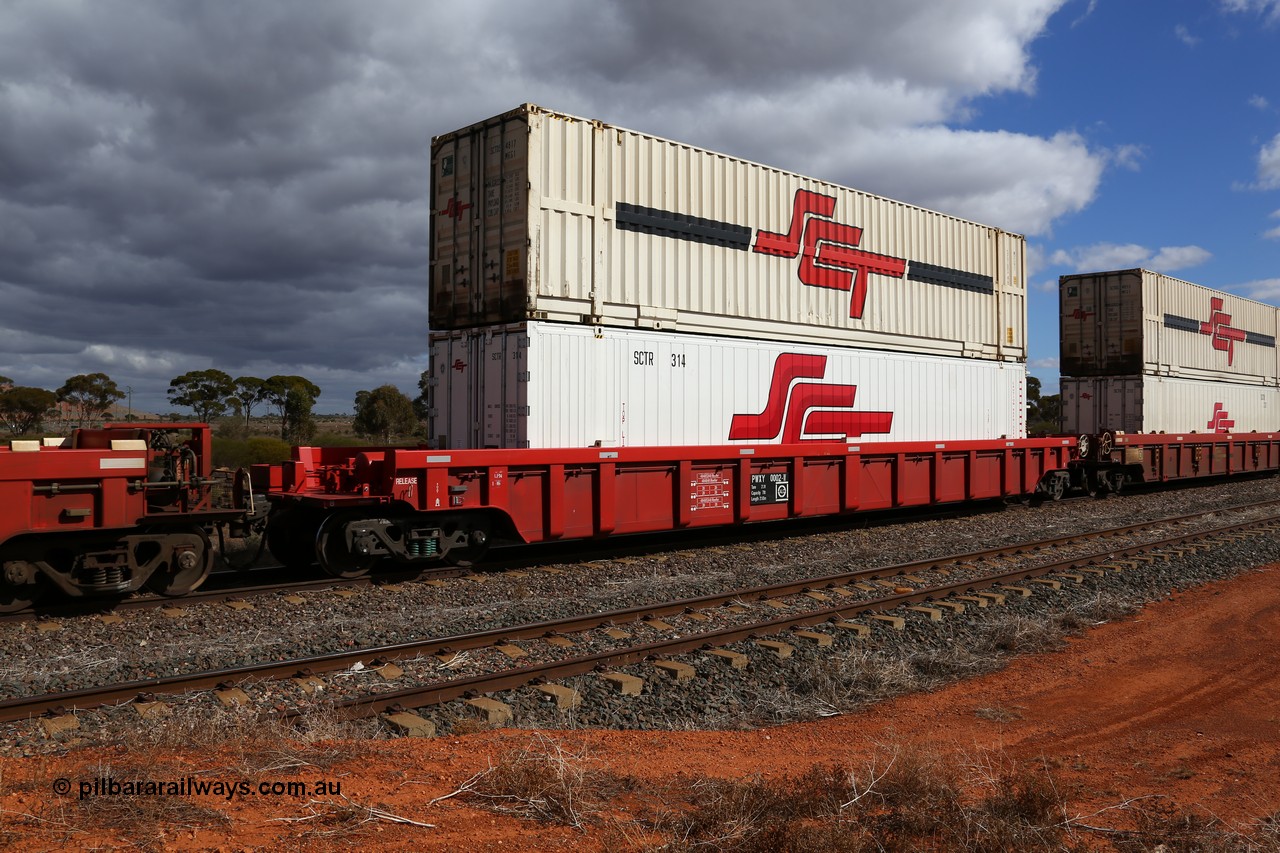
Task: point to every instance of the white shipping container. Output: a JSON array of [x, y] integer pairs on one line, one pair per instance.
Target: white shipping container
[[1165, 404], [545, 216], [566, 385], [1131, 322]]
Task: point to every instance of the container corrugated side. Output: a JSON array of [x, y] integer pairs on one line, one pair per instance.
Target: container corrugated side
[[562, 385], [1166, 404], [1129, 322], [543, 216]]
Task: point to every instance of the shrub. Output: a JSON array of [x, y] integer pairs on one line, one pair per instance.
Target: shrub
[[239, 453]]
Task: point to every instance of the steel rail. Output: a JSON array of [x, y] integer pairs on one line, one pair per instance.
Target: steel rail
[[24, 707], [214, 594], [418, 697]]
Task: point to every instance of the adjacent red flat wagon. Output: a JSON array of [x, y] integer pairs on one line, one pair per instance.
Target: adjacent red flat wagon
[[106, 512]]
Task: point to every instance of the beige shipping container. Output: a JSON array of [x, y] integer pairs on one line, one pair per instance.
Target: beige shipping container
[[1167, 404], [1132, 322], [544, 216]]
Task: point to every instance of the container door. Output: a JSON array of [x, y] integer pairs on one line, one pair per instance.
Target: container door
[[1123, 404], [1078, 312], [479, 225], [1078, 406], [502, 393]]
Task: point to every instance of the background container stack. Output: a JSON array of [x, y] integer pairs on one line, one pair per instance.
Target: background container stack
[[596, 286], [1143, 352]]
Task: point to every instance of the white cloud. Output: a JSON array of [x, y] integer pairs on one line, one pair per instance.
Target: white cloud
[[1184, 35], [1112, 256], [143, 361], [1036, 259], [1043, 363], [1127, 156], [1269, 9], [1020, 183], [1093, 4], [1266, 289], [879, 104], [1259, 102], [1274, 233], [1178, 258], [1269, 165]]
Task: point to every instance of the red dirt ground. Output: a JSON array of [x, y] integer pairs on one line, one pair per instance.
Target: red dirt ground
[[1182, 700]]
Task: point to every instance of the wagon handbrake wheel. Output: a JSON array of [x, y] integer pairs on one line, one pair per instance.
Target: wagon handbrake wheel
[[1106, 442]]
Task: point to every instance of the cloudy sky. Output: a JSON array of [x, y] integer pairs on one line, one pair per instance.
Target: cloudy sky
[[243, 185]]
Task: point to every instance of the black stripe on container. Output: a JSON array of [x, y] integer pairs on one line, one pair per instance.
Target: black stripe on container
[[931, 274], [664, 223], [1186, 324], [1259, 339]]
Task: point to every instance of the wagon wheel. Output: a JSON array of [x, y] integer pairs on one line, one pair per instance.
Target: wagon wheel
[[474, 551], [1056, 488], [1084, 445], [291, 537], [189, 563], [331, 548], [21, 586]]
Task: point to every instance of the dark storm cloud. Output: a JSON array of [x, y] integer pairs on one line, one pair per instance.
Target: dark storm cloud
[[207, 184], [244, 185]]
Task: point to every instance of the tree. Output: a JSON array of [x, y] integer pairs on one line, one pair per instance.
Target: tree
[[250, 391], [293, 397], [204, 391], [24, 409], [90, 394], [420, 401], [1043, 413], [383, 412]]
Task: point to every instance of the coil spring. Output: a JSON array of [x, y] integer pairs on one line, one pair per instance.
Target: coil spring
[[423, 547], [103, 575]]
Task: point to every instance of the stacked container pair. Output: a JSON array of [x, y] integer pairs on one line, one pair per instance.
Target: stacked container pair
[[1143, 352], [594, 286]]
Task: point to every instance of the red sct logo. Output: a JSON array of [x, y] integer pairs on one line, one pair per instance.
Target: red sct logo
[[1221, 420], [454, 209], [807, 411], [1219, 328], [828, 251]]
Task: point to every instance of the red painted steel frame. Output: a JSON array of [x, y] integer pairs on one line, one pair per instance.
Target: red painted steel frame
[[86, 485], [583, 493], [1164, 458]]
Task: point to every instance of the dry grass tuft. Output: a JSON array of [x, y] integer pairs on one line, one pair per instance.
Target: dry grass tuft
[[544, 781], [251, 743], [909, 800]]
